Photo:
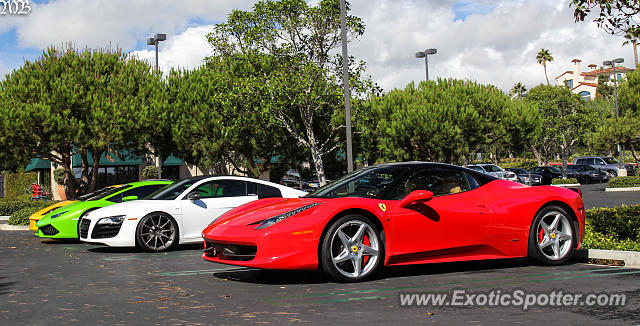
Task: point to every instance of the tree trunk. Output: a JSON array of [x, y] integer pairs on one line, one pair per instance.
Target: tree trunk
[[635, 51], [545, 74], [69, 178], [634, 153], [564, 163], [85, 178], [537, 155], [94, 170]]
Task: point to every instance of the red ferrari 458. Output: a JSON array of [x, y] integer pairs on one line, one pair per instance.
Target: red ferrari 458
[[399, 214]]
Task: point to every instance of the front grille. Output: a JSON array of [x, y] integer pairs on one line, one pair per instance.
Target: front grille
[[229, 251], [101, 231], [84, 228], [49, 230]]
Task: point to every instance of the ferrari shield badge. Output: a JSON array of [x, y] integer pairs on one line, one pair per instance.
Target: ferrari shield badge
[[383, 207]]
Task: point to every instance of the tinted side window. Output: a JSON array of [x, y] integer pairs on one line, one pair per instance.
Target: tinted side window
[[439, 181], [252, 189], [140, 192], [582, 161], [222, 188], [265, 191]]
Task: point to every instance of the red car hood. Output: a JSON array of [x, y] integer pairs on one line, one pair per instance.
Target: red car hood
[[261, 210]]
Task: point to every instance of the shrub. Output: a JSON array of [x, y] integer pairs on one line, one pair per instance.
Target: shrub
[[21, 216], [566, 181], [58, 176], [597, 240], [527, 164], [624, 182], [18, 184], [623, 221], [9, 207], [150, 172]]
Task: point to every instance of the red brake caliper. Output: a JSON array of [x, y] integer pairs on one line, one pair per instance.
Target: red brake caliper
[[540, 236], [366, 242]]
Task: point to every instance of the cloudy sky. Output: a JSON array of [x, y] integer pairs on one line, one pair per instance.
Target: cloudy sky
[[489, 41]]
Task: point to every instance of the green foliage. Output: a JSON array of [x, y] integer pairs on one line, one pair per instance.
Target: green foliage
[[616, 17], [19, 184], [150, 172], [527, 164], [624, 182], [70, 100], [287, 47], [8, 207], [58, 176], [565, 118], [21, 216], [567, 181], [615, 228], [445, 121]]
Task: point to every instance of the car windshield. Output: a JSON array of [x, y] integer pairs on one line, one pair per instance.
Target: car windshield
[[492, 168], [172, 191], [476, 168], [93, 194], [366, 183], [519, 171], [610, 160], [108, 192]]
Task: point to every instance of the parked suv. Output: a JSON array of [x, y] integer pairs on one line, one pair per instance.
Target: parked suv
[[607, 164], [494, 170]]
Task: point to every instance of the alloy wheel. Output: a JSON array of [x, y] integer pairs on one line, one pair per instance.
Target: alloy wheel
[[157, 232], [555, 236], [355, 249]]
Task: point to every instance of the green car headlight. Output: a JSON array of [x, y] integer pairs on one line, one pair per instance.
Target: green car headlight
[[56, 215], [273, 220], [118, 219]]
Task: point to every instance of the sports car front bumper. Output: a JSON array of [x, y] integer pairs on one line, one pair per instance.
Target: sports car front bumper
[[119, 235], [244, 246]]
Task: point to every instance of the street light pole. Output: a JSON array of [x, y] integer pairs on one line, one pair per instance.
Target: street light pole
[[155, 41], [425, 54], [345, 82], [612, 63]]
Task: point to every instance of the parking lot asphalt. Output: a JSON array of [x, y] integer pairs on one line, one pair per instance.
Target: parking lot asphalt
[[57, 282], [594, 196]]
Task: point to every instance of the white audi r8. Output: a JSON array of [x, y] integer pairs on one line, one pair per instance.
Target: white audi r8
[[175, 214]]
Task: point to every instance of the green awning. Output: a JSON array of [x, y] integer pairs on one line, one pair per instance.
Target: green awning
[[38, 164], [172, 161], [122, 158]]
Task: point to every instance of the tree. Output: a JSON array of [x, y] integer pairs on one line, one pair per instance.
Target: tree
[[217, 118], [616, 17], [632, 36], [604, 90], [446, 121], [68, 102], [518, 90], [290, 44], [543, 57], [565, 119]]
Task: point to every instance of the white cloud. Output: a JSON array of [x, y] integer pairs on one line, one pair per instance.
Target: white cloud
[[498, 47], [117, 22], [186, 50]]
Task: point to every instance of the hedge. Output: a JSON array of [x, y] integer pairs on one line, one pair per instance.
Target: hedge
[[615, 228], [18, 184], [150, 172], [521, 165], [624, 182], [567, 181], [21, 216], [9, 207]]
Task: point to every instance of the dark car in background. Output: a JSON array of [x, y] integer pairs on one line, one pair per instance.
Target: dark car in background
[[523, 176], [549, 173], [587, 173], [608, 164]]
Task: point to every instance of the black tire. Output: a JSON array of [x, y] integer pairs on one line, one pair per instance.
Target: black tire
[[367, 251], [551, 246], [612, 174], [157, 232]]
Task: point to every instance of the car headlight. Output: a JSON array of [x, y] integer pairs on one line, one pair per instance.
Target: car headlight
[[56, 215], [118, 219], [273, 220]]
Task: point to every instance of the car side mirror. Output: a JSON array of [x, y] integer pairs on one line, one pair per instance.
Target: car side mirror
[[416, 196], [193, 196], [129, 198]]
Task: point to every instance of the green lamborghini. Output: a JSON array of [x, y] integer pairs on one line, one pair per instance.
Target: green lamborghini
[[62, 223]]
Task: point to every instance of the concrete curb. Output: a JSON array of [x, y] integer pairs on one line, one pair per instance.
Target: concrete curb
[[4, 218], [631, 258], [623, 189], [568, 185], [7, 227]]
